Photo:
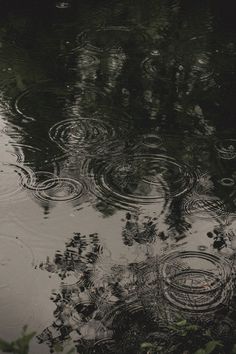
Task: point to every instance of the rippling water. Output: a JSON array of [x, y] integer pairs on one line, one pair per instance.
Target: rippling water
[[117, 173]]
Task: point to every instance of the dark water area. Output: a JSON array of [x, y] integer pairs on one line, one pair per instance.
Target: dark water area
[[117, 173]]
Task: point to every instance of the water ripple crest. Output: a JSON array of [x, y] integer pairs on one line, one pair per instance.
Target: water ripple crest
[[61, 189], [92, 136], [196, 281], [111, 38], [141, 179], [14, 179]]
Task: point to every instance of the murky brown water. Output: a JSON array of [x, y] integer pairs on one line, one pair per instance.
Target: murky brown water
[[117, 170]]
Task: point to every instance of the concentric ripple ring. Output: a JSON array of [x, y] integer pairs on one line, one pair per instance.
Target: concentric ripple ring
[[195, 281], [92, 136], [60, 189], [140, 179]]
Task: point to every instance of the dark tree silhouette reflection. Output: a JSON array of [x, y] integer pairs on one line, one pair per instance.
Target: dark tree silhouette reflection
[[95, 308]]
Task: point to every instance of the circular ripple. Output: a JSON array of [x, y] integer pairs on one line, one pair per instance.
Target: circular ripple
[[152, 141], [87, 59], [195, 281], [46, 100], [152, 64], [24, 153], [60, 189], [82, 131], [42, 155], [111, 39], [201, 68], [227, 182], [92, 136], [204, 207], [42, 100], [226, 149], [141, 179], [13, 179], [39, 181]]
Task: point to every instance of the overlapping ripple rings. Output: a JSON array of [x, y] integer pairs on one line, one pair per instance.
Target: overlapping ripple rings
[[141, 179], [111, 39], [92, 136], [39, 181], [203, 206], [60, 189], [24, 153], [196, 281]]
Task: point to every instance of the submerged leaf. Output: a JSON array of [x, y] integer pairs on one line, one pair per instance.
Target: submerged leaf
[[181, 323], [5, 346], [146, 345], [200, 351], [210, 347]]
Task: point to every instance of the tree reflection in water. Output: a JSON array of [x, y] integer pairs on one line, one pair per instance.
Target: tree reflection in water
[[126, 110]]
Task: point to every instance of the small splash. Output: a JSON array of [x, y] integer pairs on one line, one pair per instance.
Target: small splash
[[63, 4], [152, 64], [201, 69], [87, 59], [226, 149]]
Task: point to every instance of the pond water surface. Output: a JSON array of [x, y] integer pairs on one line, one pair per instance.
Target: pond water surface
[[117, 171]]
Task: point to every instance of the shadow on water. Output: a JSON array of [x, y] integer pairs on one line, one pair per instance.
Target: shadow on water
[[117, 170]]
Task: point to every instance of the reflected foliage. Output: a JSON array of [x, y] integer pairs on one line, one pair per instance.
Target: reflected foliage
[[125, 112]]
